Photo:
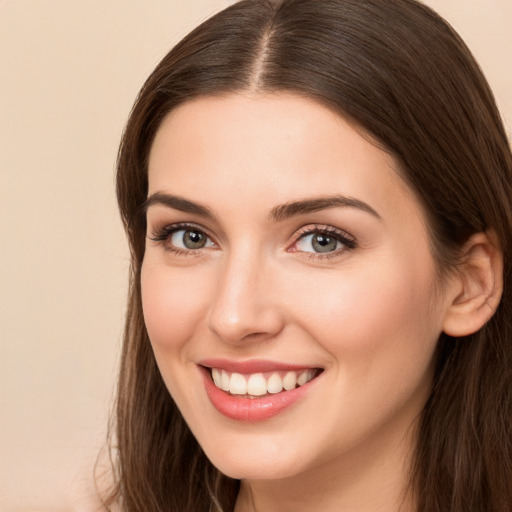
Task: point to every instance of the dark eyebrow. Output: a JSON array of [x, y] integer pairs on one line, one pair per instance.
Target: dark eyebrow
[[177, 203], [306, 206], [278, 213]]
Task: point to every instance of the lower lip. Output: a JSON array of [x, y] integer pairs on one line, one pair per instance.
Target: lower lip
[[251, 410]]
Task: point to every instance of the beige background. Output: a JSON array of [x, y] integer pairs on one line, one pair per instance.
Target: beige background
[[69, 71]]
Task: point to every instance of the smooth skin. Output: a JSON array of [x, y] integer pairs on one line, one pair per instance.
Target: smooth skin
[[350, 287]]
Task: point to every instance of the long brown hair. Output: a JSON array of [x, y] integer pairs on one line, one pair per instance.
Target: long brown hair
[[398, 71]]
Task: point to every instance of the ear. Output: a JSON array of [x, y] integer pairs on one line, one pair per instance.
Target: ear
[[477, 286]]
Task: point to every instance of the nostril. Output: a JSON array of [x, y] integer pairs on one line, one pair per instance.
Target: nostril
[[243, 307], [247, 326]]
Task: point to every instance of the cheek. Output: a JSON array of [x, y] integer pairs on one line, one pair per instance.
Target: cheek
[[361, 315], [380, 332], [173, 303]]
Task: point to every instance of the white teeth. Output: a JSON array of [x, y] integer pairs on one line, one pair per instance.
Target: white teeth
[[274, 384], [217, 377], [237, 384], [290, 381], [256, 384], [303, 378], [225, 381]]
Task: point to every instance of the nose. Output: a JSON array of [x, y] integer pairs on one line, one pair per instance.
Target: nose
[[245, 303]]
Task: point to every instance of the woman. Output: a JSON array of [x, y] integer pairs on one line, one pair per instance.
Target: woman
[[317, 200]]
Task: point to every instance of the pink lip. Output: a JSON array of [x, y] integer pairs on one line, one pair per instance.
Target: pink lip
[[249, 410], [250, 366]]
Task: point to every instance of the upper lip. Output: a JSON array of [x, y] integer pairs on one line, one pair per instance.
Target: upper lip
[[252, 365]]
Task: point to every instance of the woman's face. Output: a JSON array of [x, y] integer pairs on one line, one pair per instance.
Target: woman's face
[[286, 258]]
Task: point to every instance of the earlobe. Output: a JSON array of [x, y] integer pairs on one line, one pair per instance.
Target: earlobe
[[477, 286]]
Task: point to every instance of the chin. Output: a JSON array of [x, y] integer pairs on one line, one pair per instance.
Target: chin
[[241, 469], [256, 459]]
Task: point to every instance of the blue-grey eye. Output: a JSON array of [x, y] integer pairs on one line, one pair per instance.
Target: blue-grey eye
[[190, 239], [319, 243]]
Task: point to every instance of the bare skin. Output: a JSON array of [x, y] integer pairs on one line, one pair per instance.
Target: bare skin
[[347, 286]]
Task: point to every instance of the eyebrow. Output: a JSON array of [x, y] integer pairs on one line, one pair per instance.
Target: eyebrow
[[305, 206], [176, 203], [277, 214]]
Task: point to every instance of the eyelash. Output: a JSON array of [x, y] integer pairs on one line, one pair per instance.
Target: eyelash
[[348, 241], [162, 235]]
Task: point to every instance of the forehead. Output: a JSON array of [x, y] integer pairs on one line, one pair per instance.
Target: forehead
[[268, 149]]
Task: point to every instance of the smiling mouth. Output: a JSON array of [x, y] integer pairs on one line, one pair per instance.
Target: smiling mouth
[[259, 385]]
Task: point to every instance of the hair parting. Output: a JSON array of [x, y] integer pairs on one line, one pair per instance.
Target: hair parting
[[401, 74]]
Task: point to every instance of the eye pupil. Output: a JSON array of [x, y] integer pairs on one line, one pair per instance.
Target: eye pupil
[[322, 243], [194, 239]]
